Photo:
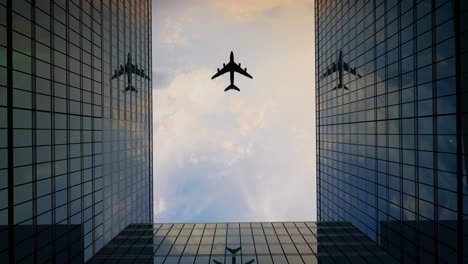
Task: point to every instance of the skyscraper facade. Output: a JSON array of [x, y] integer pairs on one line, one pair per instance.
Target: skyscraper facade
[[75, 143], [391, 134], [243, 243]]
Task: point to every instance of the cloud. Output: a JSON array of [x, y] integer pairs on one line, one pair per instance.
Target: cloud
[[160, 206], [167, 124], [249, 119], [162, 78], [243, 10], [180, 108], [174, 30], [227, 145], [302, 134], [214, 149], [247, 156]]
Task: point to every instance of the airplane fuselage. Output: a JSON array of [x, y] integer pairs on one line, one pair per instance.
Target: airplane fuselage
[[231, 60], [339, 65], [129, 72]]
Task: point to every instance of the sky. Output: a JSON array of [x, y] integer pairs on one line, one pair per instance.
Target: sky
[[234, 156]]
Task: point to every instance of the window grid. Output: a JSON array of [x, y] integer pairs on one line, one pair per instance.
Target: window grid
[[388, 147], [56, 187], [332, 241]]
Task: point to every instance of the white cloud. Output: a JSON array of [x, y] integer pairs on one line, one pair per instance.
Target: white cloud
[[160, 206], [174, 30], [302, 134], [245, 156], [252, 118], [243, 10], [228, 145]]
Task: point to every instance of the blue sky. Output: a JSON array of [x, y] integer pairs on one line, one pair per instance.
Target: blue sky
[[247, 156]]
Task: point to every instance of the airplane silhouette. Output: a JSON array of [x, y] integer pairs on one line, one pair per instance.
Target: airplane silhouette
[[233, 251], [128, 69], [233, 258], [232, 67], [340, 66]]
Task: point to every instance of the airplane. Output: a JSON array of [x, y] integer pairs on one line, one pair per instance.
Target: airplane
[[129, 69], [340, 66], [233, 258], [232, 67]]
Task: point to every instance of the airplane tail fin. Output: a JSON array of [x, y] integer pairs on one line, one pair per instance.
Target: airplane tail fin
[[131, 89], [232, 87]]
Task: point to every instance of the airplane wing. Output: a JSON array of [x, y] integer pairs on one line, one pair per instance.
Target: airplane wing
[[233, 251], [139, 72], [117, 73], [238, 69], [330, 70], [217, 262], [232, 66], [145, 76], [225, 69], [351, 70]]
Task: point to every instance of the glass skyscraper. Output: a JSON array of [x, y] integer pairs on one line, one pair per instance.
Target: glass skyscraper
[[75, 143], [76, 140], [392, 123], [243, 243]]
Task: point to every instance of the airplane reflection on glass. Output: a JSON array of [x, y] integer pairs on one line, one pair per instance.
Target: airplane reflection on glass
[[129, 69], [340, 66]]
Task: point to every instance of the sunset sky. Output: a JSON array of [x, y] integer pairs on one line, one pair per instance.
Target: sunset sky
[[234, 156]]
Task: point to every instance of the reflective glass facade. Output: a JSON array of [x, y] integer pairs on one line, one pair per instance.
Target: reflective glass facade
[[236, 243], [75, 150], [391, 147]]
